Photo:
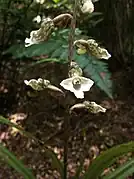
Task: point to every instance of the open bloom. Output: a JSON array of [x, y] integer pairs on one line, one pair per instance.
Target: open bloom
[[40, 1], [37, 19], [78, 85], [87, 7], [32, 40]]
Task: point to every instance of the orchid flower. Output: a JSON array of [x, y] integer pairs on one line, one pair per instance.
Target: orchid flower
[[41, 84], [97, 51], [91, 106], [77, 85], [40, 1], [87, 7], [42, 34]]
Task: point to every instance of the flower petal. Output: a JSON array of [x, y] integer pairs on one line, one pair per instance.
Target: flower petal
[[79, 94], [87, 7], [93, 107], [104, 54], [37, 19], [67, 84], [86, 84]]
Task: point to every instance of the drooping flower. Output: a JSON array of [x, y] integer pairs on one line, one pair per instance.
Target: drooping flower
[[41, 84], [37, 85], [77, 85], [42, 34], [92, 47], [91, 106]]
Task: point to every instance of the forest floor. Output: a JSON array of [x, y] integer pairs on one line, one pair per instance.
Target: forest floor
[[89, 134]]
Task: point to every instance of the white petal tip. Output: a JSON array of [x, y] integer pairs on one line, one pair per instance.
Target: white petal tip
[[26, 82]]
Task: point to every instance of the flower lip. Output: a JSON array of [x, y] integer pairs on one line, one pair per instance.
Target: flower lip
[[76, 83]]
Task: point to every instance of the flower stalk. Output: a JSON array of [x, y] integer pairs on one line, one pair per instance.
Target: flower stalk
[[72, 34]]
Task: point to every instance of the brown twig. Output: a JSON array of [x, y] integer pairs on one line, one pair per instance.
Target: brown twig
[[72, 34]]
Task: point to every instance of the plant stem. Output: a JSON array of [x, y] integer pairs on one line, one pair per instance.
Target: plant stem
[[70, 58], [72, 34]]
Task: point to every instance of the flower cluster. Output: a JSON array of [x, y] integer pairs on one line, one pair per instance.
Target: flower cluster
[[76, 82]]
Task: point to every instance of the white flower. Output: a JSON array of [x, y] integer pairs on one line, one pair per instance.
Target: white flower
[[87, 7], [37, 19], [40, 1], [77, 85], [32, 40]]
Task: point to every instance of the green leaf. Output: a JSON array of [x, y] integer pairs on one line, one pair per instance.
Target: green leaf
[[123, 171], [56, 163], [53, 48], [79, 169], [11, 160], [8, 122], [106, 159], [97, 70], [56, 1]]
